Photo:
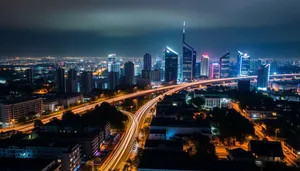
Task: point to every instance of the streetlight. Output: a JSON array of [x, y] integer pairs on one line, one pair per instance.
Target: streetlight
[[136, 103]]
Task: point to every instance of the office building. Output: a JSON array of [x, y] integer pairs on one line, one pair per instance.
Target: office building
[[87, 82], [255, 65], [14, 109], [243, 64], [29, 76], [189, 59], [171, 65], [146, 74], [129, 73], [60, 80], [147, 61], [243, 85], [110, 59], [214, 70], [197, 69], [224, 65], [204, 69], [156, 75], [263, 77], [274, 67], [72, 81], [113, 80]]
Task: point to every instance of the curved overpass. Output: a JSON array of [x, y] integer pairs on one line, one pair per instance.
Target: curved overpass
[[29, 126]]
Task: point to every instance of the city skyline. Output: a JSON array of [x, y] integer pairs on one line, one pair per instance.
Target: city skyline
[[89, 29]]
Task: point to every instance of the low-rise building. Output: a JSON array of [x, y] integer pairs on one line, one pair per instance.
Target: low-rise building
[[17, 164], [157, 134], [266, 151], [68, 154], [13, 109], [51, 105], [67, 100], [174, 127]]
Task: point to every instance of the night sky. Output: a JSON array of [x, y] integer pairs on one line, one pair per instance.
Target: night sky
[[263, 28]]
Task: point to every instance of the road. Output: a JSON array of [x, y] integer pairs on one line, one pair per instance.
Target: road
[[122, 152], [290, 157], [29, 126]]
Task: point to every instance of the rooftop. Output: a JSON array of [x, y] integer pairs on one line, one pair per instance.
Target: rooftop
[[164, 144], [170, 122], [266, 148], [17, 164], [240, 153]]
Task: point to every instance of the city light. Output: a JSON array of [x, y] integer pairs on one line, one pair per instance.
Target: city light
[[168, 48]]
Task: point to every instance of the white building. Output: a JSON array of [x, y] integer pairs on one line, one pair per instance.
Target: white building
[[68, 100], [212, 101], [11, 111], [51, 105], [204, 68]]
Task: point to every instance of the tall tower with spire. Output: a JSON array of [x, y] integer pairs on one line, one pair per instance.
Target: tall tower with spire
[[188, 59]]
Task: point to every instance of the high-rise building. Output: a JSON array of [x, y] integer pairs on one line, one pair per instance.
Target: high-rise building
[[129, 73], [29, 76], [224, 65], [156, 75], [274, 67], [171, 65], [189, 59], [147, 61], [72, 81], [113, 80], [214, 70], [204, 69], [60, 80], [110, 59], [197, 69], [263, 77], [87, 82], [243, 64]]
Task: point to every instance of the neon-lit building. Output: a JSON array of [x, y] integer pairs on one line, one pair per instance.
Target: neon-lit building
[[224, 65], [243, 64], [263, 77], [214, 70], [171, 65], [189, 59], [204, 69]]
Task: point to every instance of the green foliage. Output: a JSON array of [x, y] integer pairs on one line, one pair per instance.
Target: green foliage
[[198, 101], [38, 123], [232, 126]]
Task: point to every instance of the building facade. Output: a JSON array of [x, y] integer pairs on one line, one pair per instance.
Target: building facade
[[243, 64], [171, 65], [204, 68], [263, 77], [129, 73], [214, 70], [87, 82], [60, 80], [225, 65], [72, 81]]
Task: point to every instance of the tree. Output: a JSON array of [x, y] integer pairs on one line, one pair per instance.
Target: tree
[[21, 119], [198, 101], [38, 123]]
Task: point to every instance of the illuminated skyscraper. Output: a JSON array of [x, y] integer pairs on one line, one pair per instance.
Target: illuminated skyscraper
[[197, 69], [204, 68], [72, 81], [263, 77], [224, 65], [214, 70], [129, 73], [60, 80], [274, 67], [189, 59], [171, 65], [243, 64], [110, 60]]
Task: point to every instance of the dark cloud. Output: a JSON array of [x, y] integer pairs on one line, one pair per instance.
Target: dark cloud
[[210, 23]]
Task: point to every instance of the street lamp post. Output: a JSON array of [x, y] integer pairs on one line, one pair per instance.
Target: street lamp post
[[276, 132]]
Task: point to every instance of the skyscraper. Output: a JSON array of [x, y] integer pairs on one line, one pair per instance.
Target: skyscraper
[[60, 80], [274, 67], [171, 65], [214, 70], [29, 76], [189, 59], [263, 77], [243, 64], [204, 69], [129, 73], [110, 59], [224, 65], [87, 82], [72, 81], [197, 69], [147, 62], [113, 80]]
